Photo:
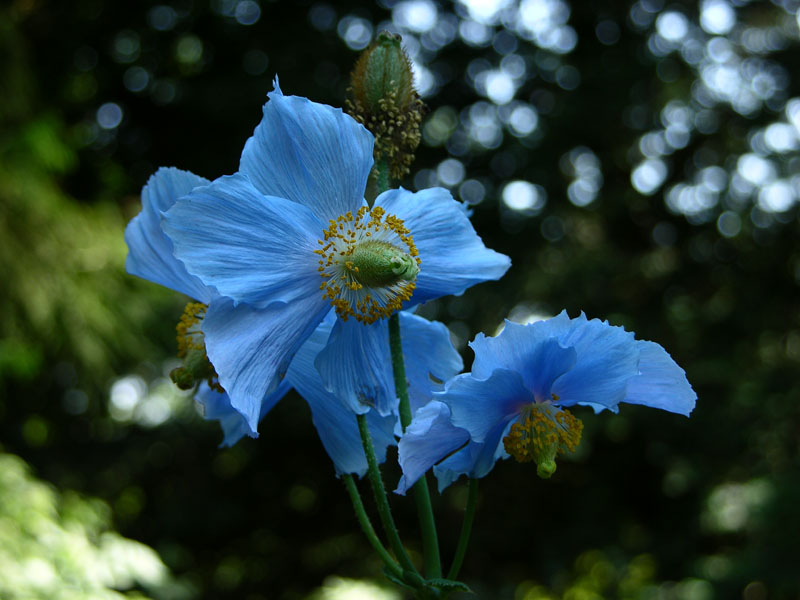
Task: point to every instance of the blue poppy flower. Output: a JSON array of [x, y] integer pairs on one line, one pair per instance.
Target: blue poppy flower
[[290, 236], [515, 401]]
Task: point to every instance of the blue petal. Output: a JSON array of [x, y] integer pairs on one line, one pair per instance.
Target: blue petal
[[149, 249], [356, 366], [336, 425], [217, 406], [661, 383], [607, 360], [428, 439], [309, 153], [481, 405], [252, 248], [251, 348], [513, 346], [475, 460], [528, 350], [453, 256], [430, 358]]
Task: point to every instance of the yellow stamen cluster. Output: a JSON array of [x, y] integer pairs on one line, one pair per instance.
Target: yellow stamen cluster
[[351, 290], [192, 349], [542, 433], [189, 335]]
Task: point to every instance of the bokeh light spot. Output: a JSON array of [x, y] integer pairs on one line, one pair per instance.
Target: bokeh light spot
[[415, 15], [109, 115], [524, 197], [649, 175], [247, 12]]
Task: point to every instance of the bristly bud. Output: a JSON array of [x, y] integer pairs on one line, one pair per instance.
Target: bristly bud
[[386, 103]]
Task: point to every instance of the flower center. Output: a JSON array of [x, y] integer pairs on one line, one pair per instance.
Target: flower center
[[369, 264], [192, 349], [542, 432]]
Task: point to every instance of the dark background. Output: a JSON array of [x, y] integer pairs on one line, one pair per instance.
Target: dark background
[[94, 96]]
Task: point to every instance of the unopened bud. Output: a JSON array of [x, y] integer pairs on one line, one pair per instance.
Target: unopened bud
[[386, 103], [383, 72]]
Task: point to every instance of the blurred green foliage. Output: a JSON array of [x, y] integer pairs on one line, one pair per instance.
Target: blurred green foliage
[[59, 546], [95, 96]]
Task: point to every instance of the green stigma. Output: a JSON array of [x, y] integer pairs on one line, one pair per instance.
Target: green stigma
[[542, 432], [379, 264]]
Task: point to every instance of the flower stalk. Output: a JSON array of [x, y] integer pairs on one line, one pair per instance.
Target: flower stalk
[[466, 530], [367, 528], [382, 502], [427, 523]]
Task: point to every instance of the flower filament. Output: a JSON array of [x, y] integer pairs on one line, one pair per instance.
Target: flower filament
[[542, 432], [369, 264]]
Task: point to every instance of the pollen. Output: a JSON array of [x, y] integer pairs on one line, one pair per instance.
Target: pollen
[[368, 263], [542, 433]]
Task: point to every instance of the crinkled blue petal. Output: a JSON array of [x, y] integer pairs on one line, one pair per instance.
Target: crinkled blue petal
[[217, 406], [481, 405], [453, 256], [661, 383], [513, 346], [526, 349], [309, 153], [356, 366], [336, 425], [150, 251], [429, 355], [428, 439], [253, 248], [251, 348], [607, 360]]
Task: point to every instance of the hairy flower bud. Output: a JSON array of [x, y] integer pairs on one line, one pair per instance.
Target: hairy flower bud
[[386, 103]]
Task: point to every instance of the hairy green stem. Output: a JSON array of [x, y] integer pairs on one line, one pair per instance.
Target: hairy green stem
[[430, 540], [466, 529], [381, 501], [366, 526]]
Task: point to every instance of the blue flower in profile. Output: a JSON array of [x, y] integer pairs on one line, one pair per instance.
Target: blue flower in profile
[[150, 256], [290, 236], [515, 401]]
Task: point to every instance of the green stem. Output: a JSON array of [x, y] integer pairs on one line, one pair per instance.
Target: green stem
[[366, 526], [430, 540], [381, 501], [466, 529]]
